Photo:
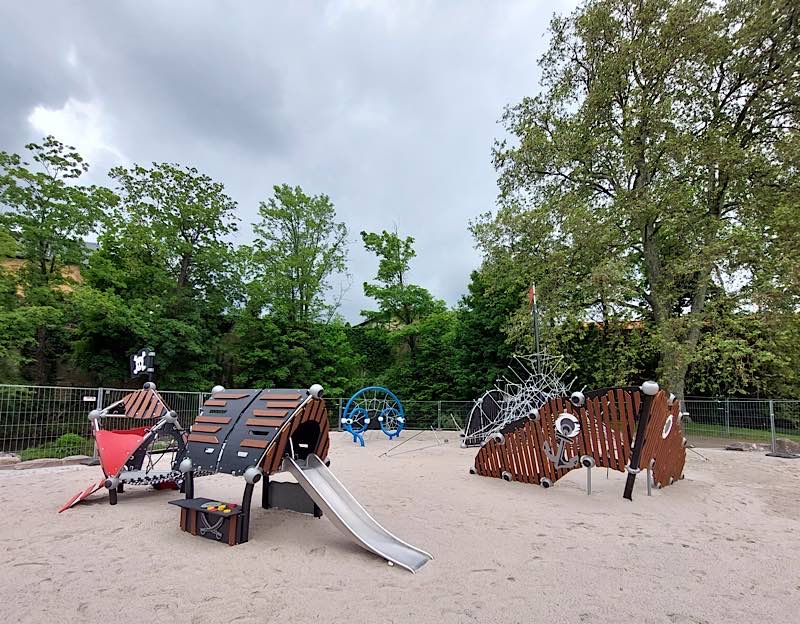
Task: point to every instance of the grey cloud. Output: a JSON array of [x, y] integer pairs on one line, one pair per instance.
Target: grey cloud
[[390, 108]]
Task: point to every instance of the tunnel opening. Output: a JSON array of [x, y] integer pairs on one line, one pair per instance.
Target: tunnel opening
[[304, 441]]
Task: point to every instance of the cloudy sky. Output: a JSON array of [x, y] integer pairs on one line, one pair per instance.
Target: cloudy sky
[[390, 107]]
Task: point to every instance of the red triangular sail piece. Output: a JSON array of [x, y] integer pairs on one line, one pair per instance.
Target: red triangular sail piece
[[82, 495], [115, 448]]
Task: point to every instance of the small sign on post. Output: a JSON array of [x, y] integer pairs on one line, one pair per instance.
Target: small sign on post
[[143, 362]]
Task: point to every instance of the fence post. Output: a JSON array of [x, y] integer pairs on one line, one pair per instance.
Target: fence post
[[438, 415], [728, 417], [339, 420], [772, 423], [98, 405]]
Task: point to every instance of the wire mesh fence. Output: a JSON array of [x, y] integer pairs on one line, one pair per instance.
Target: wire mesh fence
[[51, 421]]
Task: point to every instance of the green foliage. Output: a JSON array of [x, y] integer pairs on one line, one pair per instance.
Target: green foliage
[[298, 247], [47, 214], [650, 191], [274, 352], [648, 170], [66, 445]]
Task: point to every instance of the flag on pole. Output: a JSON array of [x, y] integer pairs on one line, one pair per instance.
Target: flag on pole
[[532, 295]]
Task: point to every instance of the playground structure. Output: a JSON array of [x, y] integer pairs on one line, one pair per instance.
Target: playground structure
[[370, 405], [136, 456], [530, 382], [255, 433], [626, 429]]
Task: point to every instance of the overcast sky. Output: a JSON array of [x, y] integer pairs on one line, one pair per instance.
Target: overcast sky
[[389, 107]]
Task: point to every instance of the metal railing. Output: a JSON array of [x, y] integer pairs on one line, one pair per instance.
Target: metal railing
[[51, 421], [717, 422]]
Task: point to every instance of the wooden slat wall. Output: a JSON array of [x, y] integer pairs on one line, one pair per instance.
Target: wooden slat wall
[[669, 453], [313, 410], [608, 425]]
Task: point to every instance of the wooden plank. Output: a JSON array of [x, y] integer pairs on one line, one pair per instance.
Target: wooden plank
[[279, 446], [209, 439], [232, 530], [250, 443], [594, 437], [218, 420], [152, 409], [602, 404], [622, 427], [270, 412], [279, 396], [228, 396], [531, 452], [525, 471], [201, 428], [141, 397], [264, 422], [214, 403], [284, 404]]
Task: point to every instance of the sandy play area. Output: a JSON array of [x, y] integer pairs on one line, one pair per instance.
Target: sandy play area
[[721, 546]]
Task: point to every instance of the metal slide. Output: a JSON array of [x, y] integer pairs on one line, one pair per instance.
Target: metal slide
[[349, 516]]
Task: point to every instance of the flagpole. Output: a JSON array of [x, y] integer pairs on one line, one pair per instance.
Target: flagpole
[[535, 323]]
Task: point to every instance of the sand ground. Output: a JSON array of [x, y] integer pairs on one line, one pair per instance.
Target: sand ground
[[721, 546]]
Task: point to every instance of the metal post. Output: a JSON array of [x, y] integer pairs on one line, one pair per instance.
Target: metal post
[[589, 480], [772, 422], [439, 415], [728, 417], [650, 477], [339, 422], [95, 460]]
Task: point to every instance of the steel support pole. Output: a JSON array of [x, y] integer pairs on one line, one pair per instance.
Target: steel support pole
[[772, 423]]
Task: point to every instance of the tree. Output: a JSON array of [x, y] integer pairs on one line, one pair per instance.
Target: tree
[[656, 149], [483, 350], [299, 245], [398, 301], [175, 219], [164, 262], [47, 215]]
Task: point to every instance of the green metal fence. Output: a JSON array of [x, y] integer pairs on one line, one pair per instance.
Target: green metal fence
[[51, 421]]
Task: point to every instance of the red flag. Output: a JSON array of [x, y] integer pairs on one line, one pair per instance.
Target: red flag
[[532, 295]]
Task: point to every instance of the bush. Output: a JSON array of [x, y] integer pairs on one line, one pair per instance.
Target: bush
[[68, 444]]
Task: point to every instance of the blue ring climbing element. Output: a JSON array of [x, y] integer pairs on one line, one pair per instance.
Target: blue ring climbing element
[[373, 402]]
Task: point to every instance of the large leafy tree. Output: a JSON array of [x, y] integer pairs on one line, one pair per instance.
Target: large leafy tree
[[400, 303], [164, 275], [404, 314], [46, 211], [46, 216], [652, 165], [299, 247]]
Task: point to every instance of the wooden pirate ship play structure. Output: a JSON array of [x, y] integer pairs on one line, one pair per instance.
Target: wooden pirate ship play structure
[[255, 433], [145, 455], [627, 429]]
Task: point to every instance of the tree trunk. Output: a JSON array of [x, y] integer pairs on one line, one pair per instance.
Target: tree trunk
[[40, 357]]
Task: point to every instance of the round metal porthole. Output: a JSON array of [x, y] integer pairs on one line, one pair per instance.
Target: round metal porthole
[[567, 425], [545, 482], [667, 427], [507, 476]]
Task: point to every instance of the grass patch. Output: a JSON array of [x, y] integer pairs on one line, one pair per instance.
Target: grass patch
[[700, 430], [68, 444]]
